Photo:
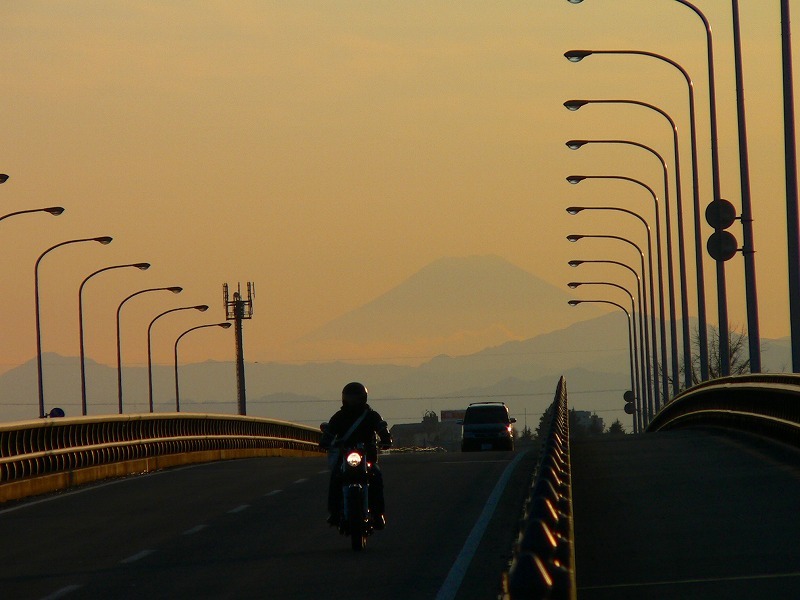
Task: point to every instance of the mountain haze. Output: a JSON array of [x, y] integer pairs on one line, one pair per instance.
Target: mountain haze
[[452, 306], [592, 355]]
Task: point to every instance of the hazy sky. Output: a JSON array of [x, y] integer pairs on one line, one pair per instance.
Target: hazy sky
[[329, 150]]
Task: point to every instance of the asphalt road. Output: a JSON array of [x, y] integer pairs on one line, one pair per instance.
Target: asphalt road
[[256, 529], [694, 515]]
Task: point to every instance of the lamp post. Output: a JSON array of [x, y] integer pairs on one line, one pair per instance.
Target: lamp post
[[574, 105], [174, 290], [141, 266], [224, 325], [630, 339], [576, 179], [701, 306], [793, 212], [102, 240], [644, 342], [53, 210], [792, 204], [637, 425], [722, 299], [574, 210], [655, 376], [577, 56], [199, 307]]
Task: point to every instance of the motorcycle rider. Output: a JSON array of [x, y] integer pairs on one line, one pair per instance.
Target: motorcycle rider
[[356, 423]]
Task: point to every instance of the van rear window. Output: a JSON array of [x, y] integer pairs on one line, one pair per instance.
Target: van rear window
[[487, 414]]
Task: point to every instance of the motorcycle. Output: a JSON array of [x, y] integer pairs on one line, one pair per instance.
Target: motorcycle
[[356, 519]]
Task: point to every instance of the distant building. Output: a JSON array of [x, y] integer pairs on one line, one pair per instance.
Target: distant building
[[585, 422], [431, 433]]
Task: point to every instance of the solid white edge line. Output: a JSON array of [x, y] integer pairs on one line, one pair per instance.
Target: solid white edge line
[[457, 572], [645, 584], [92, 486]]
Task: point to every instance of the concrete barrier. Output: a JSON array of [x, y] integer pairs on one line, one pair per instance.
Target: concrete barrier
[[43, 456]]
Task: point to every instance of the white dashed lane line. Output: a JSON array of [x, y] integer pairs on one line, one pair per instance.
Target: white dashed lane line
[[272, 493], [62, 592], [196, 529], [135, 557], [238, 509], [303, 480]]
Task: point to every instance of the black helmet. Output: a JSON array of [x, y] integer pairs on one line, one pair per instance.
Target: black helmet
[[354, 394]]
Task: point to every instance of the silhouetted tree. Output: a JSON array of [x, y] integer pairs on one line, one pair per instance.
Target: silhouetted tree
[[544, 423], [739, 357], [616, 428]]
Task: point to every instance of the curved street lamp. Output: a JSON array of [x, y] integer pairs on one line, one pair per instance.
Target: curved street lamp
[[577, 56], [792, 209], [199, 307], [703, 344], [174, 290], [53, 210], [102, 240], [643, 342], [143, 266], [574, 105], [637, 425], [223, 325], [573, 210], [575, 179], [654, 373], [630, 338]]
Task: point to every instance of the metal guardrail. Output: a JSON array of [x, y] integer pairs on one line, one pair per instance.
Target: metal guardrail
[[764, 404], [46, 455], [543, 565]]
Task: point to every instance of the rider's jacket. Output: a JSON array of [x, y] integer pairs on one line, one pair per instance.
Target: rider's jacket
[[371, 429]]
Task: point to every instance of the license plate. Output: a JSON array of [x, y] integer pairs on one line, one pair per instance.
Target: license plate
[[486, 446]]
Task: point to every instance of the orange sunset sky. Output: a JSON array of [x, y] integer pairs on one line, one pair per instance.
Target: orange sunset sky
[[329, 150]]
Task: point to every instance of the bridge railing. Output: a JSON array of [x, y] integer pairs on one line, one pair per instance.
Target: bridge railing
[[765, 404], [543, 565], [46, 455]]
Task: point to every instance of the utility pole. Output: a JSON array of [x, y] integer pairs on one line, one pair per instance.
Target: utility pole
[[237, 310]]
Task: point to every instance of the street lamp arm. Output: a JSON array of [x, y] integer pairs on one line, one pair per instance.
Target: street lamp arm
[[573, 210], [53, 210]]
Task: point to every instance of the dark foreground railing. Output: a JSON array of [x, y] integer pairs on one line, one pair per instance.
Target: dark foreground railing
[[52, 454], [543, 565], [764, 404]]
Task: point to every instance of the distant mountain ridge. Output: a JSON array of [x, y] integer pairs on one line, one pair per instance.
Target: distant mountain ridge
[[592, 355], [452, 306]]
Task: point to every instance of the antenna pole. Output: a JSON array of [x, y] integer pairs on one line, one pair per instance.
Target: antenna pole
[[237, 310]]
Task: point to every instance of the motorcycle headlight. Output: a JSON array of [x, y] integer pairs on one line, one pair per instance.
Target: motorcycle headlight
[[354, 459]]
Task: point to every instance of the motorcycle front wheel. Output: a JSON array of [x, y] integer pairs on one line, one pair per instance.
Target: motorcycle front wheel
[[358, 534]]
